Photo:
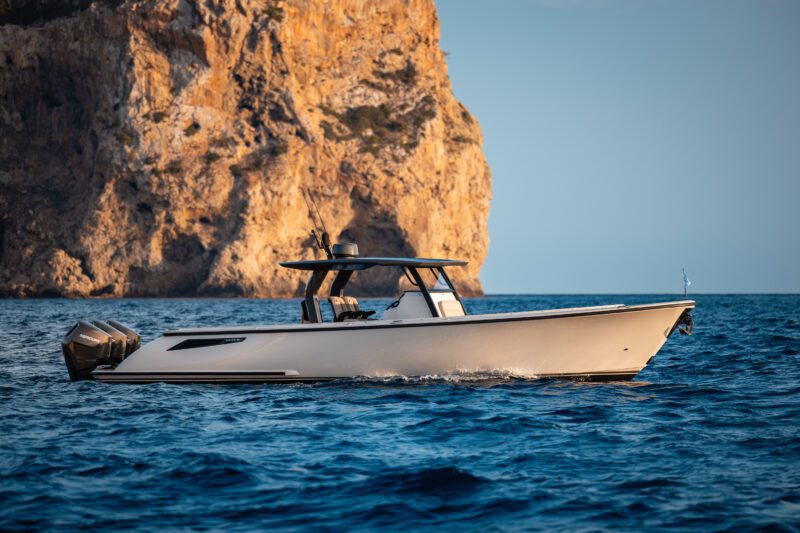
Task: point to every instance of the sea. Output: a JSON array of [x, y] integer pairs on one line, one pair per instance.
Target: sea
[[706, 437]]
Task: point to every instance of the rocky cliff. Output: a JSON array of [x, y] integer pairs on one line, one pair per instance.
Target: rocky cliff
[[160, 147]]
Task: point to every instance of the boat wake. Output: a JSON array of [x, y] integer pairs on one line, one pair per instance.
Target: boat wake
[[450, 377], [482, 377]]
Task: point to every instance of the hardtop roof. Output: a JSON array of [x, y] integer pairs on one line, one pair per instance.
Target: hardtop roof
[[363, 263]]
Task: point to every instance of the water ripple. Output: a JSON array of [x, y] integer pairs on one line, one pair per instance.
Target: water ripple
[[706, 437]]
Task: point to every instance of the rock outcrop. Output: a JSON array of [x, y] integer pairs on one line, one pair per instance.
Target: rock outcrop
[[161, 147]]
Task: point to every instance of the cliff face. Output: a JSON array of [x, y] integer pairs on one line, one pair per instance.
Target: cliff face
[[161, 147]]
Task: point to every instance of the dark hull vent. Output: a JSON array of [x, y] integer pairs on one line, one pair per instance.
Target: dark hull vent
[[202, 343]]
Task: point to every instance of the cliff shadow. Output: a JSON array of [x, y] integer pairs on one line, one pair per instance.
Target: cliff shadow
[[377, 234]]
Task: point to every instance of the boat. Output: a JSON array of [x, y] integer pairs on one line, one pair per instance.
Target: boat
[[427, 331]]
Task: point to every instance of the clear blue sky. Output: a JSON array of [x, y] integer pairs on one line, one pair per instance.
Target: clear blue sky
[[628, 139]]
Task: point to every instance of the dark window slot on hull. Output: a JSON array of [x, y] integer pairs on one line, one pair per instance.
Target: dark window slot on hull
[[202, 343]]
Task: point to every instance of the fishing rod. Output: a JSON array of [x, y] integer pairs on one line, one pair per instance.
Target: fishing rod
[[322, 238]]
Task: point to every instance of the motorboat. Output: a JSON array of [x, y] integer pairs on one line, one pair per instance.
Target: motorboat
[[426, 331]]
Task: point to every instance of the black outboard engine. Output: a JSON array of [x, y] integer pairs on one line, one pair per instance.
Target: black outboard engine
[[89, 345], [119, 341], [134, 339], [85, 347]]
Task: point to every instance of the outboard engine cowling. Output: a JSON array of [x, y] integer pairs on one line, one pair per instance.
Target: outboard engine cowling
[[134, 339], [119, 341], [85, 347]]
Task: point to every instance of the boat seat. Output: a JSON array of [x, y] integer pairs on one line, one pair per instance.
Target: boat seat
[[451, 308], [347, 308]]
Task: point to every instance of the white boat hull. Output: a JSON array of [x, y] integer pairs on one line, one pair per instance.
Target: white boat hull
[[596, 343]]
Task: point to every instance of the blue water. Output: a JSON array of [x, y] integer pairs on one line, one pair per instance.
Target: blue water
[[706, 437]]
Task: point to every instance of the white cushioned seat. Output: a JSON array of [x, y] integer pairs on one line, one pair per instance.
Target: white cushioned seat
[[451, 308]]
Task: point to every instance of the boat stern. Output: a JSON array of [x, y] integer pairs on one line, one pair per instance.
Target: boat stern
[[88, 345]]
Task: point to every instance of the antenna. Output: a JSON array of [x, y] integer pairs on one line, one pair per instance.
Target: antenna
[[322, 238]]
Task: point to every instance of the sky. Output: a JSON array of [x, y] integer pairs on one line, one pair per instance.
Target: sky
[[630, 139]]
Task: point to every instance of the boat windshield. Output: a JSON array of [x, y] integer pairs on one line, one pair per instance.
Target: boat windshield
[[434, 279]]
